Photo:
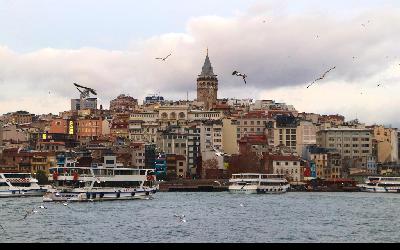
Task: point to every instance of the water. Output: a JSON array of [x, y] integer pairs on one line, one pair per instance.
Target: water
[[211, 217]]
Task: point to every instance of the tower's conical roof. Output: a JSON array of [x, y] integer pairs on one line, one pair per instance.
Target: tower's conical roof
[[207, 69]]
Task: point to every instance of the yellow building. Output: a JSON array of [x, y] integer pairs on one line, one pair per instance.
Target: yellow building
[[385, 142]]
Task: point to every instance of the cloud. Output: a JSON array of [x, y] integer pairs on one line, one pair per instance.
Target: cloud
[[282, 55]]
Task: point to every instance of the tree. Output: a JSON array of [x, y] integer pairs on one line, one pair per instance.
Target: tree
[[42, 178]]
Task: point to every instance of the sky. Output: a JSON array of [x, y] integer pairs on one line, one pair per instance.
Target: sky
[[283, 46]]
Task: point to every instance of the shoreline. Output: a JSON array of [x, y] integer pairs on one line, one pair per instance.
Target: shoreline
[[184, 185]]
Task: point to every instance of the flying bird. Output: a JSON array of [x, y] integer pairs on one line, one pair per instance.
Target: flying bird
[[322, 77], [240, 74], [165, 58]]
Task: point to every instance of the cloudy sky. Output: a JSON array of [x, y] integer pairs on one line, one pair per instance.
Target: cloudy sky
[[46, 45]]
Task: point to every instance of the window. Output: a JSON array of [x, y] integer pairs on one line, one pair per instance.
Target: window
[[258, 122], [286, 163], [252, 122], [278, 163]]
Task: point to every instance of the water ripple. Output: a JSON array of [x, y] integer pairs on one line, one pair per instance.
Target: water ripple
[[211, 217]]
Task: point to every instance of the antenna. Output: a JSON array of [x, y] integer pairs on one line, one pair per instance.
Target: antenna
[[187, 96]]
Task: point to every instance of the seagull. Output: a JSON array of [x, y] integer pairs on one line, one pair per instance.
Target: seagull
[[240, 74], [29, 212], [322, 77], [181, 217], [65, 203], [160, 58], [3, 228], [379, 85], [42, 207], [241, 204]]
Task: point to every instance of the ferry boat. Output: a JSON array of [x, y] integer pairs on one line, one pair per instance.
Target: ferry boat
[[250, 183], [19, 185], [99, 183], [381, 185]]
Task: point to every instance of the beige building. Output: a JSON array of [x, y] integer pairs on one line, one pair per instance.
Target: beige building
[[138, 155], [21, 117], [211, 135], [172, 115], [289, 166], [202, 115], [294, 133], [353, 144], [305, 135], [385, 144], [252, 123], [105, 127], [143, 126], [229, 139], [12, 132]]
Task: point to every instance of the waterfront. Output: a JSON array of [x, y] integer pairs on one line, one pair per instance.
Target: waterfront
[[211, 217]]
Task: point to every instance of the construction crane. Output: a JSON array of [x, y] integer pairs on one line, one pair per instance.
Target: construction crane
[[85, 92]]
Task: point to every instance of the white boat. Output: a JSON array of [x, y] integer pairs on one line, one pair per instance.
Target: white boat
[[250, 183], [100, 183], [19, 185], [379, 184]]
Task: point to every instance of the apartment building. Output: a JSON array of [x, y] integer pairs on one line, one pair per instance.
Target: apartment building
[[353, 144]]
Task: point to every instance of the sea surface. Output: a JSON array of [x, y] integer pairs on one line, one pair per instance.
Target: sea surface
[[210, 217]]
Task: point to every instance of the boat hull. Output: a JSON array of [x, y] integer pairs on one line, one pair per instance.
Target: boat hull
[[380, 190], [22, 193], [84, 196], [258, 190]]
